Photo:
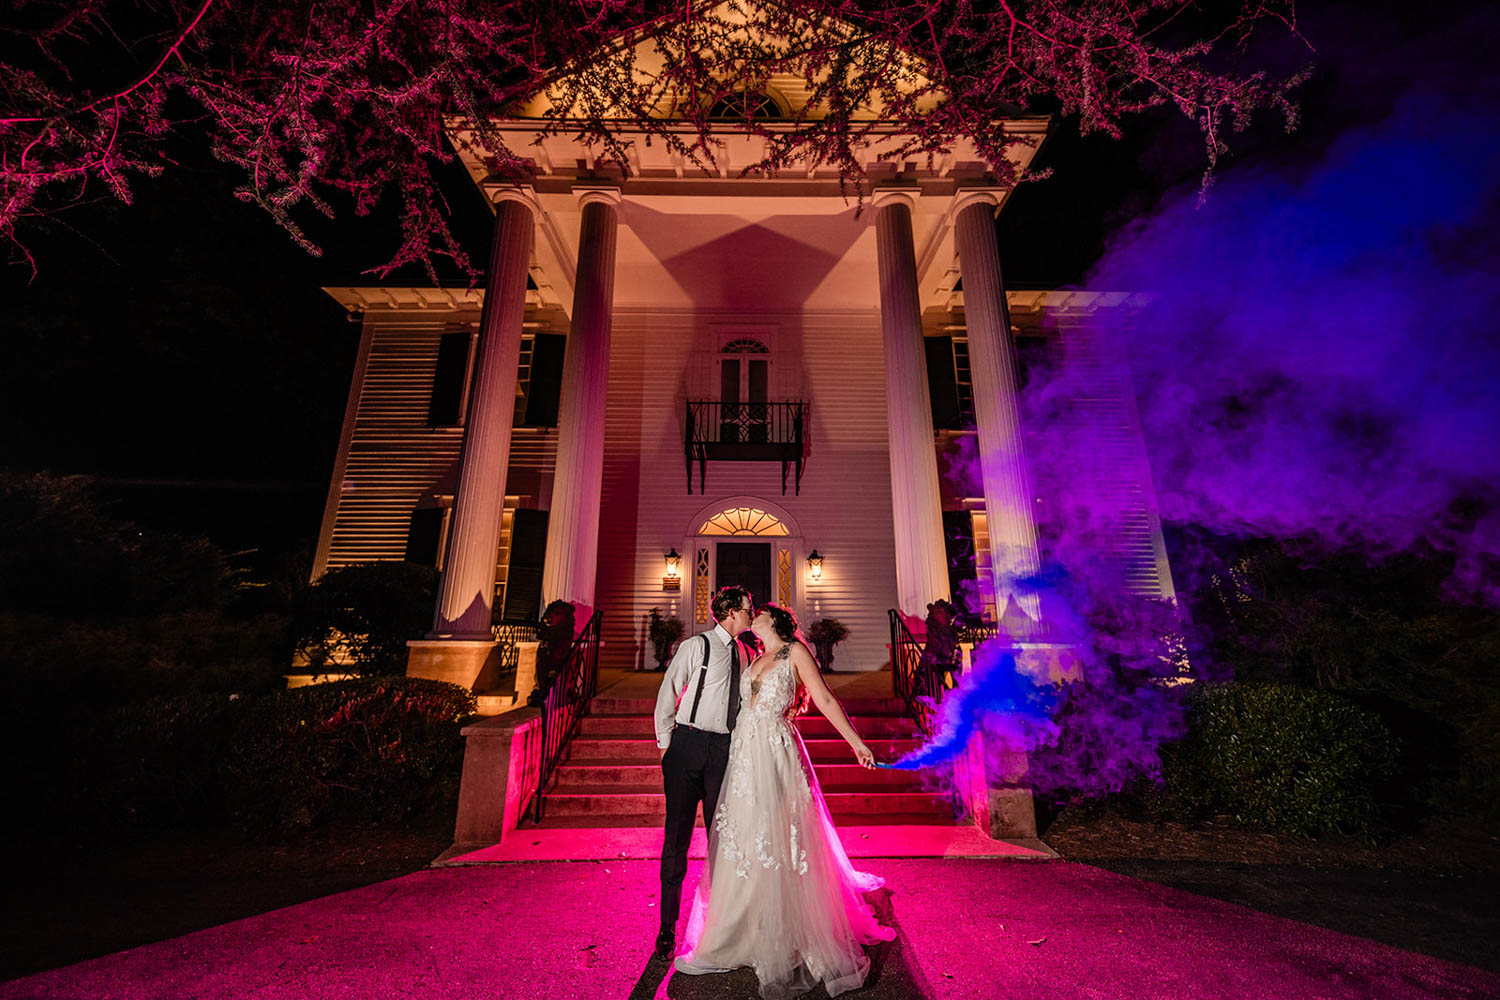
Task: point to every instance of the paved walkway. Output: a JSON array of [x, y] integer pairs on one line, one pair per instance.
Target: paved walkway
[[966, 929]]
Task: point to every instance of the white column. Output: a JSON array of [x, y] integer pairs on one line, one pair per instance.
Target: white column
[[468, 585], [573, 521], [1008, 497], [916, 505]]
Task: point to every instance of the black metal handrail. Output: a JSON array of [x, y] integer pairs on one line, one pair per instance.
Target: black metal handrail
[[918, 687], [979, 634], [748, 432], [509, 636], [573, 685], [921, 681], [714, 422]]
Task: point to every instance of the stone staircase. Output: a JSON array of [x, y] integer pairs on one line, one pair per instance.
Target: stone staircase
[[611, 774]]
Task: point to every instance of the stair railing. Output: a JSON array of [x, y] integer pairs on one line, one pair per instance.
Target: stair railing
[[918, 686], [567, 701]]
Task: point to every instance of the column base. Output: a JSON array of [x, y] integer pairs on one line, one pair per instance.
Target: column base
[[992, 783], [470, 663]]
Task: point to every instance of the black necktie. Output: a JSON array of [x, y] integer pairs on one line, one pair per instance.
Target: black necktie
[[734, 683]]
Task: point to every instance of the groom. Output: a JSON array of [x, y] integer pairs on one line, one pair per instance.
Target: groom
[[692, 733]]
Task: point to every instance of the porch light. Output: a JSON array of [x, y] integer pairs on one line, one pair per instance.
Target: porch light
[[672, 582], [815, 564], [672, 560]]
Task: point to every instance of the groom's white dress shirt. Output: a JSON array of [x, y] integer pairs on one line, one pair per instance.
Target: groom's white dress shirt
[[674, 702]]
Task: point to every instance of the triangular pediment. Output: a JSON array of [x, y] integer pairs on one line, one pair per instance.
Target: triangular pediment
[[650, 64]]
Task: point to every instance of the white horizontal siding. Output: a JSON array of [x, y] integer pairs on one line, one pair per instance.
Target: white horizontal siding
[[391, 459], [844, 509]]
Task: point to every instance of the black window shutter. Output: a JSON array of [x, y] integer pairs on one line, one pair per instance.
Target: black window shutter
[[942, 383], [423, 536], [958, 539], [545, 385], [523, 576], [448, 381]]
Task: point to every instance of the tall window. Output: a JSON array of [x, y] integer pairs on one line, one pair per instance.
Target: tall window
[[544, 379], [942, 383], [744, 376]]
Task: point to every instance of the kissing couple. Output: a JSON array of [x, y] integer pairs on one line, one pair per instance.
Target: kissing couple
[[778, 892]]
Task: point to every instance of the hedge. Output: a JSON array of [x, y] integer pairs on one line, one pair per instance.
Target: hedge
[[1283, 758], [363, 750]]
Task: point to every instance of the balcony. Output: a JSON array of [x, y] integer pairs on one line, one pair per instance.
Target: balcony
[[744, 432]]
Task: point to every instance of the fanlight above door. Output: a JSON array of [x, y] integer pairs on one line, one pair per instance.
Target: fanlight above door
[[743, 521]]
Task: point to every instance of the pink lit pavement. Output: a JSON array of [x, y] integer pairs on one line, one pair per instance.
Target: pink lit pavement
[[568, 909], [967, 928]]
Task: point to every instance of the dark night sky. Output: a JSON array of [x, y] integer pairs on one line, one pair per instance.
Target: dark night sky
[[180, 349]]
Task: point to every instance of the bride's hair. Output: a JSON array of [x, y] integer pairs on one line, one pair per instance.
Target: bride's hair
[[784, 624]]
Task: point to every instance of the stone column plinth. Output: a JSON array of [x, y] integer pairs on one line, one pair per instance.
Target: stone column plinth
[[1008, 497], [461, 625], [916, 504], [573, 521]]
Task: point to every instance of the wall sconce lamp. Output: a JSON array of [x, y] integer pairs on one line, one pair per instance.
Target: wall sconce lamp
[[815, 564], [672, 581]]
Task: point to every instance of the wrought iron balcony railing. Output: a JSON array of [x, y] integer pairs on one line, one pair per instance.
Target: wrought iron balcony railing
[[745, 432]]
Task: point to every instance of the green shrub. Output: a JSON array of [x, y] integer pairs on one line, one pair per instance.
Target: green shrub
[[365, 613], [1281, 758], [362, 750], [94, 666], [157, 762]]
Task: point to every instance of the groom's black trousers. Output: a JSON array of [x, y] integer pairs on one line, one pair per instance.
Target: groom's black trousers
[[692, 772]]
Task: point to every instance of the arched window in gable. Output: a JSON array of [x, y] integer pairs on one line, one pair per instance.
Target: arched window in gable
[[746, 106]]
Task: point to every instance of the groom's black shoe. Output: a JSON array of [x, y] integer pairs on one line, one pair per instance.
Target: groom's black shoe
[[664, 945]]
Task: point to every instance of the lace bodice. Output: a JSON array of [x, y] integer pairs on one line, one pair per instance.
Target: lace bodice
[[771, 693]]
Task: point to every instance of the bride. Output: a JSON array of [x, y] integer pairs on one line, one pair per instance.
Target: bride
[[778, 893]]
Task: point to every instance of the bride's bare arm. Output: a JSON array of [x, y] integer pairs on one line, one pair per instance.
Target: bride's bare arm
[[807, 672]]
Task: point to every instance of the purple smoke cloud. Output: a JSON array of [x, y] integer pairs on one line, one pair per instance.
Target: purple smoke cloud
[[1318, 360]]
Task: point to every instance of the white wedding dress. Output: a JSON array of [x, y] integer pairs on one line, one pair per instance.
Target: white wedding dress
[[778, 893]]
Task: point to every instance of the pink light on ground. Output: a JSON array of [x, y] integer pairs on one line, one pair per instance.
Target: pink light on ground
[[607, 844], [966, 929]]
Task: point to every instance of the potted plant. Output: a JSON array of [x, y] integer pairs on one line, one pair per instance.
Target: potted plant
[[824, 634], [663, 632]]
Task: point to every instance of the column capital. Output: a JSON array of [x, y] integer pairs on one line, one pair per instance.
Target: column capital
[[523, 193], [966, 196], [587, 194], [890, 194]]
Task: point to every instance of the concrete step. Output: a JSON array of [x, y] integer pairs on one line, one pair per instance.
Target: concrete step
[[606, 705], [880, 727], [653, 821], [624, 800], [640, 775], [627, 750], [495, 702]]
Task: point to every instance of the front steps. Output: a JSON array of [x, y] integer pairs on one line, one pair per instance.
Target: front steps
[[606, 801], [611, 774]]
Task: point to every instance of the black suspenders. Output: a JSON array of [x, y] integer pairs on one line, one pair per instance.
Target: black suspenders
[[702, 676]]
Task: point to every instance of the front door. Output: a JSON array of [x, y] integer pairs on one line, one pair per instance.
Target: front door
[[745, 564]]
